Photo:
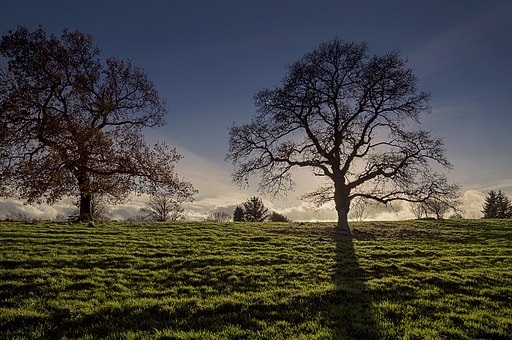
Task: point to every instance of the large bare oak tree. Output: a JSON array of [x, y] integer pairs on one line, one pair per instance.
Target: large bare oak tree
[[349, 116], [72, 123]]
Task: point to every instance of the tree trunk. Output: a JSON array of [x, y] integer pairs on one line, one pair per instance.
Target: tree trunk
[[342, 204], [85, 197], [85, 207], [342, 224]]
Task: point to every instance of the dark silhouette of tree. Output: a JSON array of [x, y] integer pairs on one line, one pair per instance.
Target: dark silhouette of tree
[[277, 217], [349, 117], [497, 205], [162, 207], [254, 210], [504, 206], [238, 215], [490, 205], [72, 123]]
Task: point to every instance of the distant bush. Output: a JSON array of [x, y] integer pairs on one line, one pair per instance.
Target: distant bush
[[277, 217]]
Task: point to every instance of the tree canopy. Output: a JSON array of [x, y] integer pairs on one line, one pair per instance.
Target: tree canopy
[[350, 117], [71, 123]]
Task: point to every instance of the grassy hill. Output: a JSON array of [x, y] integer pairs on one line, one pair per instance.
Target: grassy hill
[[412, 280]]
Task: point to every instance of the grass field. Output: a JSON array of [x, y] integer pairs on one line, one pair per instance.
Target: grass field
[[412, 280]]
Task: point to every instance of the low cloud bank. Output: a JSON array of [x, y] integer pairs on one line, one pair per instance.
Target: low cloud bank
[[16, 209], [198, 210]]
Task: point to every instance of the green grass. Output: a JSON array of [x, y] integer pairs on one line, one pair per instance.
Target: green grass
[[410, 280]]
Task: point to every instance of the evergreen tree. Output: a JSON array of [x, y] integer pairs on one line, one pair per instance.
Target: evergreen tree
[[497, 205], [490, 205], [238, 215], [254, 210], [503, 206]]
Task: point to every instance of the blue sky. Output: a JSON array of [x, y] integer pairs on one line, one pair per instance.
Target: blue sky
[[208, 58]]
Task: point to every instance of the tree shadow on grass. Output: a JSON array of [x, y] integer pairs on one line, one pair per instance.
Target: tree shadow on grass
[[350, 313]]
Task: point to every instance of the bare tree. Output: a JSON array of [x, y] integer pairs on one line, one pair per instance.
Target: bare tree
[[72, 123], [439, 204], [419, 210], [359, 209], [349, 117], [162, 207], [218, 216], [436, 207]]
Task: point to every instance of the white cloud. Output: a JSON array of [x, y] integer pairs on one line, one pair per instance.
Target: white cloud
[[13, 207], [198, 210], [472, 203]]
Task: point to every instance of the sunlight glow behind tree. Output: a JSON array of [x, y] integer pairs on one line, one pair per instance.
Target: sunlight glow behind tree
[[348, 116]]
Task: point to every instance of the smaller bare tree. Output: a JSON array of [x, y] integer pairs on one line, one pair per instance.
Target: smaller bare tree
[[418, 209], [358, 209], [163, 207], [218, 216], [439, 204], [436, 207]]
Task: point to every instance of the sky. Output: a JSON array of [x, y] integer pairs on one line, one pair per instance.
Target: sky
[[208, 58]]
